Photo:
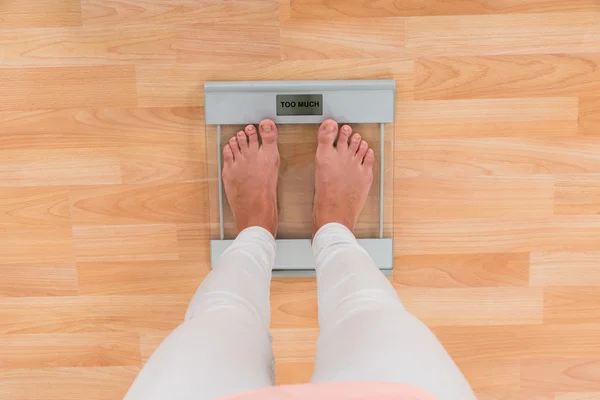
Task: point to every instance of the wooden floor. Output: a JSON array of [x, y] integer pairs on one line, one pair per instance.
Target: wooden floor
[[103, 182]]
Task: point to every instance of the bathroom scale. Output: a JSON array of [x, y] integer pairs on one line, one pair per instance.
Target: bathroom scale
[[298, 108]]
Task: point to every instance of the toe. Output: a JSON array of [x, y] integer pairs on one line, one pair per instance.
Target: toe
[[362, 150], [268, 132], [343, 136], [242, 140], [355, 143], [328, 132], [227, 156], [252, 134], [235, 147], [369, 159]]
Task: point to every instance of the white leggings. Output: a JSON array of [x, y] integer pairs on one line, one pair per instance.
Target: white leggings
[[224, 347]]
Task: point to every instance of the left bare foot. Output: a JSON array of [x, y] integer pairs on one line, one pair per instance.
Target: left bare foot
[[250, 175]]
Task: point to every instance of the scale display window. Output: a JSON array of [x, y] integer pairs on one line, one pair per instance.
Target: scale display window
[[298, 108]]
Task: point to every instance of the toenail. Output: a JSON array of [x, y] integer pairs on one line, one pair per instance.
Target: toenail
[[266, 127], [329, 127], [251, 128], [346, 128]]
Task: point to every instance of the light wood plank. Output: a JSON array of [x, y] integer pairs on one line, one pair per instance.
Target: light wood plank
[[102, 128], [462, 270], [231, 41], [36, 245], [589, 115], [522, 342], [77, 314], [138, 204], [577, 194], [165, 164], [178, 85], [71, 383], [496, 156], [293, 372], [345, 39], [193, 242], [560, 375], [500, 376], [125, 243], [142, 277], [493, 235], [536, 33], [474, 306], [505, 76], [34, 206], [578, 396], [571, 304], [149, 341], [69, 350], [327, 9], [473, 118], [88, 46], [174, 12], [59, 167], [565, 269], [40, 13], [294, 303], [474, 197], [38, 279], [518, 395], [65, 87]]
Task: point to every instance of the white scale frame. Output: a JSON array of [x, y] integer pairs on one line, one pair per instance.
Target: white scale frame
[[356, 101]]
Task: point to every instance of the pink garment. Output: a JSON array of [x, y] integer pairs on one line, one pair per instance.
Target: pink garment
[[337, 391]]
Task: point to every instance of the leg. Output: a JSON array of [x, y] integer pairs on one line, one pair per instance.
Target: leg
[[224, 347], [366, 334]]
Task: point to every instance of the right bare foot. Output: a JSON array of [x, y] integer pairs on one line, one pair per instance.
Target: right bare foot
[[343, 176]]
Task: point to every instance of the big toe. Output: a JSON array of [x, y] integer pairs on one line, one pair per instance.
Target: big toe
[[268, 132], [328, 132]]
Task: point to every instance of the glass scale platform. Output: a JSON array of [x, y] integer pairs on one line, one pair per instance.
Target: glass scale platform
[[298, 108]]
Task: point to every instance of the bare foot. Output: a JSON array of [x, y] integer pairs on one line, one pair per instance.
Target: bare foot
[[250, 174], [343, 176]]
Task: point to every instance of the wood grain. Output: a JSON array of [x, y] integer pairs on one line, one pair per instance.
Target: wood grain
[[473, 118], [589, 115], [38, 279], [141, 277], [70, 383], [474, 197], [560, 375], [136, 204], [536, 33], [360, 8], [577, 195], [66, 87], [491, 235], [88, 46], [474, 306], [565, 269], [125, 243], [496, 156], [96, 349], [345, 39], [80, 314], [571, 304], [101, 128], [462, 270], [505, 76], [179, 84], [40, 14]]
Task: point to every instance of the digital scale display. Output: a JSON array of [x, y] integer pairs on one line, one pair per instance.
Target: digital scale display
[[299, 104]]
